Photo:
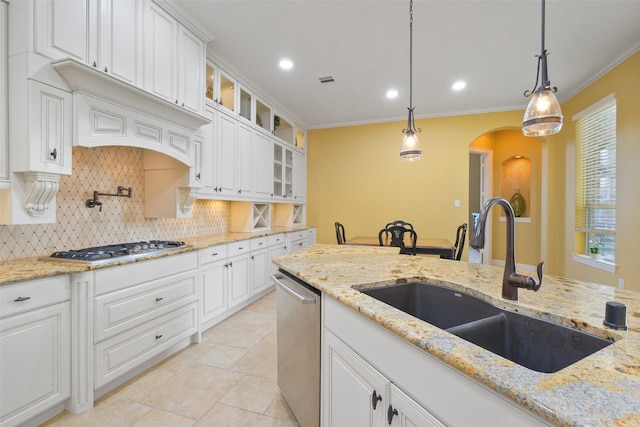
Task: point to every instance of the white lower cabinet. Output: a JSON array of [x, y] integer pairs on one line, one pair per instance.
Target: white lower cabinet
[[379, 379], [213, 272], [258, 265], [358, 395], [35, 349], [355, 393], [238, 272], [141, 310]]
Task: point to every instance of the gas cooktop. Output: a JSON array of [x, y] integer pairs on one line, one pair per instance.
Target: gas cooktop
[[121, 251]]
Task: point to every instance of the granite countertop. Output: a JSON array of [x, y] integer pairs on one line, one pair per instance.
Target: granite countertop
[[600, 390], [23, 269]]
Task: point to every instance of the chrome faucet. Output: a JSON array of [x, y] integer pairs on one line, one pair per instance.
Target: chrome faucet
[[511, 280]]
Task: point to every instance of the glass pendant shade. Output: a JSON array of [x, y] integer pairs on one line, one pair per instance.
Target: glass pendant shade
[[543, 115], [410, 150]]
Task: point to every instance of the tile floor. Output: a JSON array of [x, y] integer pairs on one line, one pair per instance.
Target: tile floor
[[229, 379]]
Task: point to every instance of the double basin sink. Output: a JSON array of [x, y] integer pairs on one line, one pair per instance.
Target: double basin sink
[[530, 342]]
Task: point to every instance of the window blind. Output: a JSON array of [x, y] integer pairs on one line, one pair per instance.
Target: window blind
[[596, 169]]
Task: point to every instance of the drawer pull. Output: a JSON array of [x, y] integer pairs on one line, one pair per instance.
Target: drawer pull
[[240, 248], [214, 254], [20, 299], [159, 299], [158, 336]]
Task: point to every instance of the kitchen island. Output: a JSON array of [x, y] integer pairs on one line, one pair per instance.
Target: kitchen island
[[600, 390]]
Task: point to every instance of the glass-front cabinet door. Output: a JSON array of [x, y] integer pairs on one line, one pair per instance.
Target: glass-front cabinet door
[[212, 91], [227, 92], [246, 101], [220, 88], [263, 115]]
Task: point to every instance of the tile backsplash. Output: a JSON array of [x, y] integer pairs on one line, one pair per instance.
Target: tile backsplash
[[121, 220]]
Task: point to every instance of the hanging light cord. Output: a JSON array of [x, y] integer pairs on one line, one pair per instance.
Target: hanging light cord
[[411, 126], [542, 63]]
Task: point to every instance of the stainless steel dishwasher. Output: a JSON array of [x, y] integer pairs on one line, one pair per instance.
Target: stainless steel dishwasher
[[298, 308]]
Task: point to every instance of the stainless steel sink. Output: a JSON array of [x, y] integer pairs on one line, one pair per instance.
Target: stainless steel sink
[[533, 343]]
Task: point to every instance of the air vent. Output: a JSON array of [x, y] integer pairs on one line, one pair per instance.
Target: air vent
[[327, 79]]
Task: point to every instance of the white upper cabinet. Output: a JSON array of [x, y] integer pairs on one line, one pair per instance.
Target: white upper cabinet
[[191, 57], [173, 60], [160, 31], [262, 166], [116, 45], [62, 29]]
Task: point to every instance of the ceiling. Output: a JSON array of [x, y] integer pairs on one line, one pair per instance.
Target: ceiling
[[364, 45]]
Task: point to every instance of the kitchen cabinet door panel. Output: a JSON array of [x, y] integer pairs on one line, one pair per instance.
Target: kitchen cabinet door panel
[[350, 384], [62, 29], [35, 361], [159, 52], [226, 142], [214, 292]]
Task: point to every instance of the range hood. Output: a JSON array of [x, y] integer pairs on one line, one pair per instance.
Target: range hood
[[108, 111]]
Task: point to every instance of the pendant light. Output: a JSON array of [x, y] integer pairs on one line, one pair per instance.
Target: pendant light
[[410, 150], [543, 115]]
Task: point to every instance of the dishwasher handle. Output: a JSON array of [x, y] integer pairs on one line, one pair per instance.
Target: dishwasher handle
[[297, 291]]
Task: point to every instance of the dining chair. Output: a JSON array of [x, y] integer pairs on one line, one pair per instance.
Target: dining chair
[[399, 223], [461, 234], [395, 236], [340, 235]]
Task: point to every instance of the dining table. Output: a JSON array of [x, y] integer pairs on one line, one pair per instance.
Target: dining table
[[424, 245]]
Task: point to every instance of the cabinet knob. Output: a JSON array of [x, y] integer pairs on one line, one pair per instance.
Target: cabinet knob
[[176, 101], [158, 299], [252, 258], [20, 299], [54, 153], [375, 398], [391, 413], [198, 176], [94, 64], [158, 336], [239, 191], [183, 104], [106, 70]]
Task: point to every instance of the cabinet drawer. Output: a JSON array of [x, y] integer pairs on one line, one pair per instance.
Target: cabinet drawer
[[238, 248], [212, 254], [120, 354], [125, 276], [24, 296], [276, 239], [119, 311], [259, 243]]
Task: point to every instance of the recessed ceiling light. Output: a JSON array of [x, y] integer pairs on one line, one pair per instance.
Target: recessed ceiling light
[[459, 85], [286, 64], [392, 93]]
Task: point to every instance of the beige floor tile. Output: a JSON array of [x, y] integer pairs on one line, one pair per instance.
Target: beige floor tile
[[111, 411], [228, 416], [280, 409], [194, 391], [251, 393], [222, 356], [260, 361], [157, 418], [266, 304], [147, 383], [237, 334]]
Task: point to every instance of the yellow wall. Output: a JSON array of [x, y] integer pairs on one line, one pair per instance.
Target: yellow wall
[[624, 82], [504, 145], [355, 176]]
